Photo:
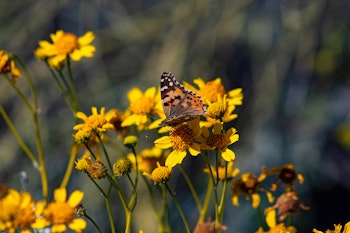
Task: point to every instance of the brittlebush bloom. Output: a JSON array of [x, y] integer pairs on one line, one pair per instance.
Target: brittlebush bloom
[[65, 44], [142, 105], [95, 124], [274, 227], [220, 141], [18, 212], [60, 212], [182, 138], [7, 65], [337, 229]]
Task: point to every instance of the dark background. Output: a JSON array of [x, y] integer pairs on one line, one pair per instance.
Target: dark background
[[290, 57]]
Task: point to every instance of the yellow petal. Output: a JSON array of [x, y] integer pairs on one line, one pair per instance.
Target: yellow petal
[[217, 128], [58, 228], [227, 154], [86, 39], [77, 225], [150, 92], [60, 195], [271, 218], [134, 94], [174, 158], [256, 200], [163, 142], [194, 149], [235, 200], [234, 138], [75, 198]]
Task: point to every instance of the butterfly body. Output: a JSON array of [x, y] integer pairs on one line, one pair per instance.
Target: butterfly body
[[179, 104]]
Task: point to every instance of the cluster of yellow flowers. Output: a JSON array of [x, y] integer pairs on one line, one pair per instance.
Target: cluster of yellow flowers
[[209, 136]]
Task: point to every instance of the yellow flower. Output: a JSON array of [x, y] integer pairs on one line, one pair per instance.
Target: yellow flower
[[18, 211], [159, 175], [61, 212], [220, 141], [93, 124], [65, 44], [142, 105], [84, 162], [7, 65], [181, 138]]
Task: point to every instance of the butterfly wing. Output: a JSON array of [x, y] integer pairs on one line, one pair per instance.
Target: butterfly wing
[[179, 104]]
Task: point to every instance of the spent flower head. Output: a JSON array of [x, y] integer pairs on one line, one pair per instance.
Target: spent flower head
[[60, 212], [182, 138], [65, 44], [122, 166], [8, 66]]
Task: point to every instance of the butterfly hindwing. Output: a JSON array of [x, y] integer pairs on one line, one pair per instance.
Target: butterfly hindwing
[[179, 104]]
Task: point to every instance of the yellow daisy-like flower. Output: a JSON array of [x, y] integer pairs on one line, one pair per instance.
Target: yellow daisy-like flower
[[93, 124], [159, 175], [7, 65], [18, 211], [60, 212], [181, 138], [65, 45], [142, 105], [220, 141], [274, 227]]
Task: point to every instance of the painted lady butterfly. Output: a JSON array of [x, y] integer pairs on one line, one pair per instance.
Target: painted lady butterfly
[[179, 104]]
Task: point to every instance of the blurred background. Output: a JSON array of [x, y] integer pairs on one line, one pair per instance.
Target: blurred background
[[290, 57]]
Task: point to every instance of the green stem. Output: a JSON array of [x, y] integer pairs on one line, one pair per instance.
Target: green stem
[[205, 207], [73, 88], [192, 189], [34, 111], [110, 215], [69, 169], [93, 222], [223, 197], [105, 151], [16, 135], [178, 208]]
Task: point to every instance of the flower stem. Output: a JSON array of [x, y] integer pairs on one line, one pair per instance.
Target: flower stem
[[178, 207], [192, 189], [16, 135], [69, 169], [205, 207], [93, 222]]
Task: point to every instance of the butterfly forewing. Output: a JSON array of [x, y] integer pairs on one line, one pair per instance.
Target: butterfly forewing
[[179, 104]]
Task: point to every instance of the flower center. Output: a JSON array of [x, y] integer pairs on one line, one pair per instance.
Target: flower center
[[59, 213], [142, 105], [216, 140], [211, 90], [67, 43], [96, 121], [181, 137]]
